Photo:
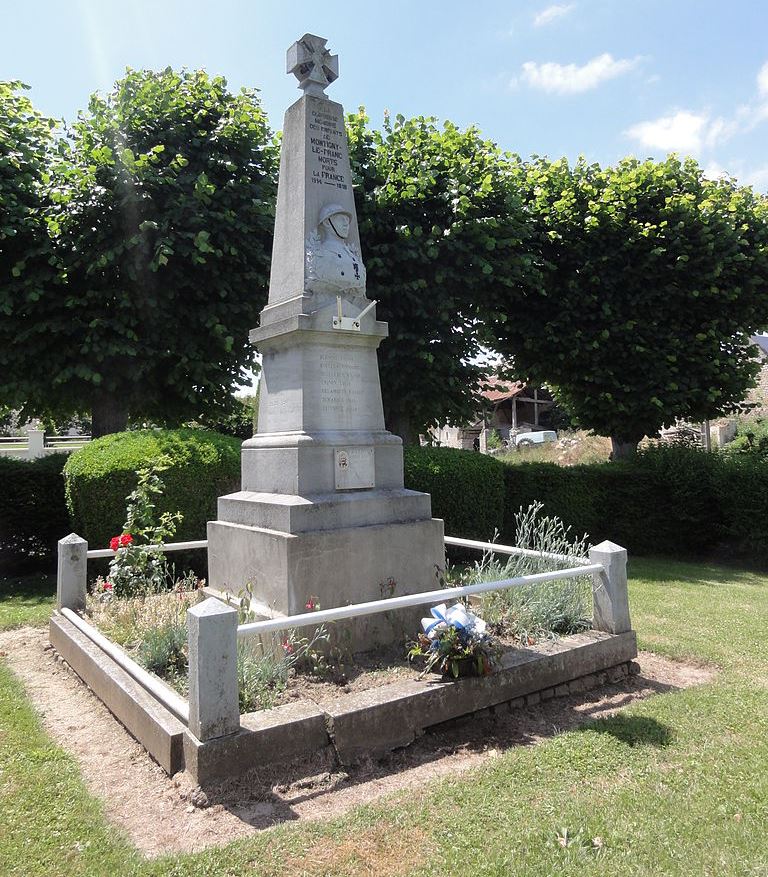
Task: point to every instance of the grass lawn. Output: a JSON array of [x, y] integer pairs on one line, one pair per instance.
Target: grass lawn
[[675, 785]]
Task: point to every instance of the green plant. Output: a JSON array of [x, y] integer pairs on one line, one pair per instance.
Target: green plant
[[493, 442], [653, 279], [160, 193], [28, 269], [199, 467], [443, 227], [163, 650], [263, 671], [33, 511], [140, 566], [467, 489], [532, 612], [751, 438]]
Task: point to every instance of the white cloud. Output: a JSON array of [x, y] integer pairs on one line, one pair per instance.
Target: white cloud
[[757, 177], [681, 132], [552, 13], [762, 79], [744, 176], [572, 79], [691, 132]]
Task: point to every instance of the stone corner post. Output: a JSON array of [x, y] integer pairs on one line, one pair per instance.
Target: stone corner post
[[609, 588], [214, 709], [71, 574]]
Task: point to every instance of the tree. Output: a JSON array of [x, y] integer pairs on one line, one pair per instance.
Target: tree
[[441, 228], [653, 278], [26, 273], [162, 224]]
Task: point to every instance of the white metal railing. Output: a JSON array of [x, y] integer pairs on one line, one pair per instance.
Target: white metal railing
[[212, 708], [513, 550], [357, 610]]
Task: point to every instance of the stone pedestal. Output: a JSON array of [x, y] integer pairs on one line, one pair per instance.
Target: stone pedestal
[[322, 512]]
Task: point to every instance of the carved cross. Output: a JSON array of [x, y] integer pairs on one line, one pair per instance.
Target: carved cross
[[312, 64]]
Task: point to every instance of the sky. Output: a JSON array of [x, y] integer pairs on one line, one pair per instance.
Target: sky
[[599, 78]]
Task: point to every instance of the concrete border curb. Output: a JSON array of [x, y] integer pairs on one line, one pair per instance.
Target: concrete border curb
[[385, 718], [158, 730], [368, 723]]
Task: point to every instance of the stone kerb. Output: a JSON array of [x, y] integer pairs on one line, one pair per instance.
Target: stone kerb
[[609, 588], [214, 709]]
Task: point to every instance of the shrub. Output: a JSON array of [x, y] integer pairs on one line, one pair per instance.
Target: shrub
[[199, 467], [33, 513], [742, 488], [163, 649], [667, 500], [467, 488], [751, 438], [533, 612]]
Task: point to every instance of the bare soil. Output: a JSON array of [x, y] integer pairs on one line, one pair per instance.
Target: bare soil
[[166, 815]]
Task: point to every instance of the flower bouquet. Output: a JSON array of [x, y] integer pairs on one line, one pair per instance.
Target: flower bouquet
[[455, 643]]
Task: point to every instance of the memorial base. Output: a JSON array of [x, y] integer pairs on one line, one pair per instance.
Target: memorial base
[[333, 567]]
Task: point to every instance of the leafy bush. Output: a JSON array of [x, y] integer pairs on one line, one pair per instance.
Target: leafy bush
[[239, 419], [199, 467], [742, 489], [163, 649], [535, 611], [666, 500], [140, 566], [33, 513], [467, 488], [751, 438]]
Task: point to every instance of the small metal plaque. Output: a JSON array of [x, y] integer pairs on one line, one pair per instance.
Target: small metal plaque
[[355, 469]]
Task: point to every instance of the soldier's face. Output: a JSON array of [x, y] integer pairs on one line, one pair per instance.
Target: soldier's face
[[341, 224]]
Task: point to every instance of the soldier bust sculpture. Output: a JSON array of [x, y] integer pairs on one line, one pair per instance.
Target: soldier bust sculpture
[[333, 264]]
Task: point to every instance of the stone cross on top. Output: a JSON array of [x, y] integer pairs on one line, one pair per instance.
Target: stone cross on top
[[312, 64]]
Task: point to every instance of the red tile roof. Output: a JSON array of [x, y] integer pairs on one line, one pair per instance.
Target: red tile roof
[[500, 390]]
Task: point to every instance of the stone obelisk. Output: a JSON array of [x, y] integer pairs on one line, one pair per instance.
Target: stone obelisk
[[322, 513]]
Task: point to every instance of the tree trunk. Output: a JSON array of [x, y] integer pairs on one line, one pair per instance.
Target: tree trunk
[[109, 414], [400, 424], [621, 449]]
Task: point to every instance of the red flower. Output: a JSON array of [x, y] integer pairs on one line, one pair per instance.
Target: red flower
[[108, 586], [120, 541], [311, 605], [287, 647]]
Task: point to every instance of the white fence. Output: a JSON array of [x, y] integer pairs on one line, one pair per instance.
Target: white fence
[[213, 632], [37, 444]]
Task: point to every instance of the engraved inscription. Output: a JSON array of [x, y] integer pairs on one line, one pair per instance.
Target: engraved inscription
[[341, 391], [327, 145]]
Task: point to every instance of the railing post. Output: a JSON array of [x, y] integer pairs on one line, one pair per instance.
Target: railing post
[[35, 443], [72, 575], [609, 588], [214, 708]]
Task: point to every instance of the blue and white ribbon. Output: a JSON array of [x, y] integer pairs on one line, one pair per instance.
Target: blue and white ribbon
[[457, 616]]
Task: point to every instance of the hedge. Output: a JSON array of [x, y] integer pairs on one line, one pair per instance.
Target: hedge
[[202, 465], [33, 513], [467, 488], [666, 501]]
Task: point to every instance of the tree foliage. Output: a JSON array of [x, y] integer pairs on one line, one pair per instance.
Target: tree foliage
[[163, 198], [653, 278], [441, 228], [26, 272]]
